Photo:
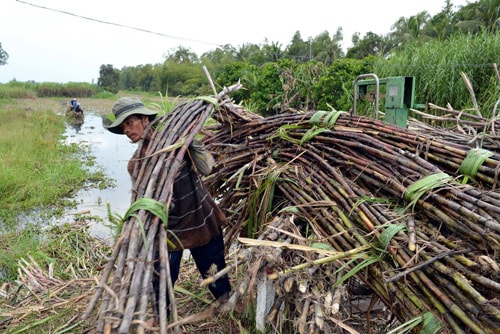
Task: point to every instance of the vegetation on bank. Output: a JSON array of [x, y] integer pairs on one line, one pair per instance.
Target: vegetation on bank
[[39, 174], [17, 89]]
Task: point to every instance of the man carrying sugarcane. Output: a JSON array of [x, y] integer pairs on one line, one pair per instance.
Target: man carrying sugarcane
[[194, 219]]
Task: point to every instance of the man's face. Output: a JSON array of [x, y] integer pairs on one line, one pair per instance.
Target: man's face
[[133, 127]]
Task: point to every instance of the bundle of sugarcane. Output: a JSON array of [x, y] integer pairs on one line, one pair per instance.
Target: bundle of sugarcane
[[357, 183], [127, 297], [455, 157]]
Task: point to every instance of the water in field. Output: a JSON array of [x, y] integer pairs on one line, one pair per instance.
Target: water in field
[[111, 153]]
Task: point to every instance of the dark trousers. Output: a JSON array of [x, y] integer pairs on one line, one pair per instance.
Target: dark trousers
[[205, 257]]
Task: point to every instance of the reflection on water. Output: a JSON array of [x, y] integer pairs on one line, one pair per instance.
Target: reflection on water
[[111, 153]]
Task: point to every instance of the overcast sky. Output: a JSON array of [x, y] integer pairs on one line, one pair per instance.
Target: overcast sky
[[46, 45]]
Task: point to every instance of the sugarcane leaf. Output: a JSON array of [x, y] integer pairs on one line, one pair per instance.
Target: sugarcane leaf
[[148, 204], [369, 260], [327, 118], [389, 232], [209, 99], [474, 159], [315, 119], [283, 133], [196, 296], [331, 118], [420, 187], [407, 326], [291, 209], [432, 324], [369, 199], [311, 133]]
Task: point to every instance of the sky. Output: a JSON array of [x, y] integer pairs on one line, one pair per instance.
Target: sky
[[68, 40]]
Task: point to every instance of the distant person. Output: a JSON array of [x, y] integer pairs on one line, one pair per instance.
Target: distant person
[[74, 105]]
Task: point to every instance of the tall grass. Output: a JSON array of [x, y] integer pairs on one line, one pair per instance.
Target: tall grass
[[36, 169], [436, 67], [16, 89]]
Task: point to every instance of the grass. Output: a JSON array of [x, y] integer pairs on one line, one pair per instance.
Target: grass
[[37, 169], [38, 175], [436, 67]]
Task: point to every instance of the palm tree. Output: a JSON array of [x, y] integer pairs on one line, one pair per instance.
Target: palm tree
[[273, 51], [441, 25], [410, 29], [481, 15], [182, 55]]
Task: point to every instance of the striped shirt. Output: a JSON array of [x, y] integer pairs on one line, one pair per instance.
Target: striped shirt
[[194, 217]]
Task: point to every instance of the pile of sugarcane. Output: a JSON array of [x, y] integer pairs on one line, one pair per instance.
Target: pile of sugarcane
[[314, 199], [414, 216]]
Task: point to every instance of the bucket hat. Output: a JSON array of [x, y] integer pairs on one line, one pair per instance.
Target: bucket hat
[[125, 107]]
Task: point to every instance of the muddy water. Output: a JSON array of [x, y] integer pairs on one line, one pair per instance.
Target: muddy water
[[111, 153]]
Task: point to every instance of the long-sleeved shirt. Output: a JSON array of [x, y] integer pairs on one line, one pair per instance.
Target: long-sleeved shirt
[[194, 217]]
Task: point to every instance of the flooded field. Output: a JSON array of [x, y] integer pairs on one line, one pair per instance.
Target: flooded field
[[111, 153]]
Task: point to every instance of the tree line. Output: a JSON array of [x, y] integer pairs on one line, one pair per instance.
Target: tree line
[[316, 73]]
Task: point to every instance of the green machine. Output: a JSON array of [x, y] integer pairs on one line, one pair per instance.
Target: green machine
[[399, 96]]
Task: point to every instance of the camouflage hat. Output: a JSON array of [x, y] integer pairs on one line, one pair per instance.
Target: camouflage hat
[[122, 109]]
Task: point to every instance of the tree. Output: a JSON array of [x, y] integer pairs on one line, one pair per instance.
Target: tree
[[325, 48], [371, 44], [484, 14], [272, 52], [3, 56], [298, 49], [109, 78], [250, 53], [182, 55], [220, 56], [410, 29], [441, 25]]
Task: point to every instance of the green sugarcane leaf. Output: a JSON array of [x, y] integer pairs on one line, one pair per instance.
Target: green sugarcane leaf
[[420, 187], [474, 159], [311, 133], [209, 99], [290, 209], [321, 245], [148, 204], [331, 118], [432, 325], [367, 261], [283, 133], [407, 326], [315, 119], [389, 232]]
